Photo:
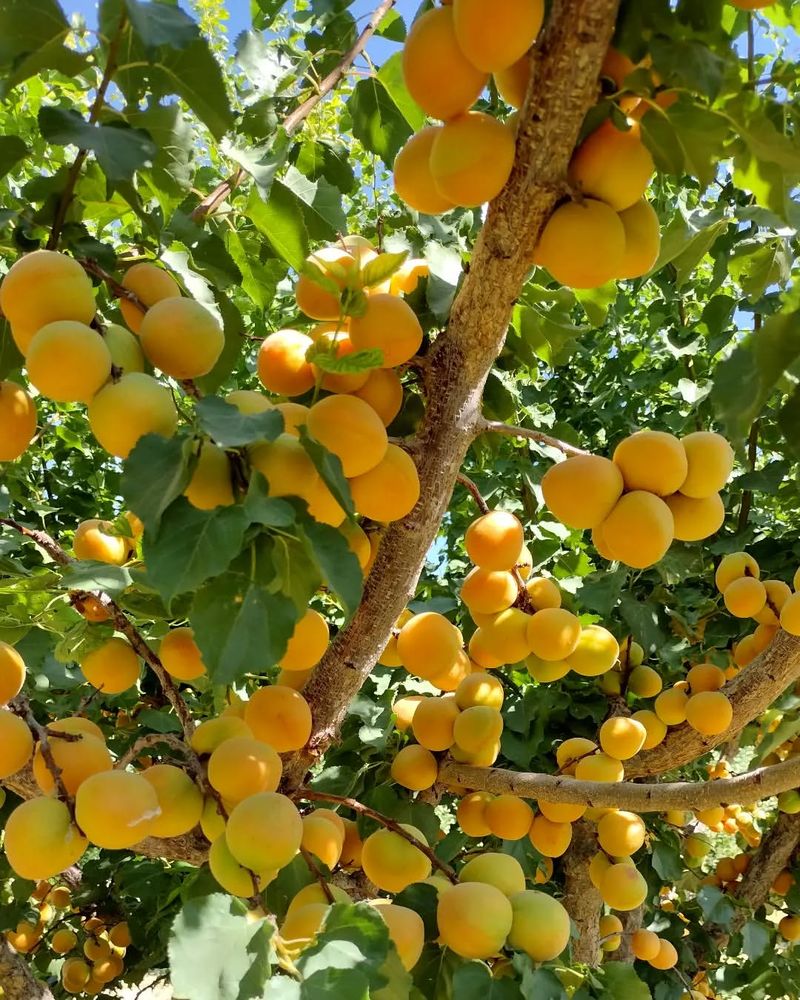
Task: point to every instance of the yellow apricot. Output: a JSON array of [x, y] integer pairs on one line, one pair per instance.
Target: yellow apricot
[[610, 928], [560, 812], [639, 530], [623, 887], [670, 706], [126, 410], [264, 831], [599, 767], [280, 717], [789, 928], [232, 876], [210, 485], [499, 870], [406, 930], [471, 814], [68, 361], [350, 429], [484, 757], [512, 82], [474, 919], [582, 245], [322, 838], [334, 339], [120, 935], [666, 957], [644, 682], [655, 729], [249, 401], [710, 461], [645, 944], [479, 688], [505, 635], [389, 657], [620, 833], [75, 975], [243, 766], [406, 278], [308, 642], [150, 284], [438, 74], [489, 591], [281, 363], [12, 673], [63, 941], [126, 352], [17, 421], [413, 179], [180, 655], [112, 667], [509, 818], [16, 743], [709, 712], [115, 809], [390, 325], [495, 43], [544, 671], [540, 926], [44, 287], [209, 734], [553, 634], [734, 566], [351, 849], [287, 467], [549, 838], [389, 490], [582, 491], [179, 799], [705, 677], [428, 644], [477, 727], [790, 616], [471, 159], [572, 750], [415, 768], [696, 519], [212, 822], [181, 337], [596, 652], [493, 540], [652, 460], [383, 391], [778, 593], [745, 597], [598, 866], [612, 165], [543, 592], [300, 928], [392, 862], [77, 759], [105, 970], [313, 893], [622, 737], [94, 539], [642, 239], [432, 722]]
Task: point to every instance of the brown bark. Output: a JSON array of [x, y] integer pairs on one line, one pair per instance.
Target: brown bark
[[772, 856], [563, 86], [581, 899], [631, 922], [16, 981]]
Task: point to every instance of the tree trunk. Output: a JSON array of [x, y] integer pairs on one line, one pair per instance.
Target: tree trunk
[[581, 899], [772, 856], [16, 981]]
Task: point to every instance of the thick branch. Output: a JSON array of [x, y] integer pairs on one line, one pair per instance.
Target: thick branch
[[16, 981], [744, 788], [496, 427], [581, 899], [772, 856], [566, 68]]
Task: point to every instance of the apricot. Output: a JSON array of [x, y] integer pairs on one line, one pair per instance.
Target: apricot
[[709, 712], [438, 74], [484, 757], [16, 744], [474, 919], [249, 401], [506, 635], [710, 461], [407, 277], [126, 352], [243, 766], [17, 421], [477, 727], [745, 597], [212, 821], [181, 337], [489, 591], [180, 655], [415, 768], [696, 519], [540, 925], [544, 671], [124, 411], [752, 4], [471, 159], [383, 391], [645, 945], [286, 465], [432, 722], [179, 799], [351, 849], [610, 928], [790, 617], [644, 682], [560, 812], [653, 461], [313, 893], [549, 838], [428, 644], [620, 833], [390, 657], [622, 738], [553, 634], [113, 667], [543, 592], [75, 975], [233, 877], [599, 767], [582, 245], [622, 887], [94, 539], [150, 284], [413, 178], [12, 673], [308, 642], [391, 862], [639, 530], [322, 838], [210, 485], [77, 759], [512, 82], [493, 541], [406, 930], [479, 688], [581, 492], [596, 652], [493, 44], [655, 729], [349, 428], [264, 831], [509, 818], [572, 750], [280, 717], [68, 362], [115, 809], [789, 928], [334, 339], [281, 363], [390, 325], [471, 814], [666, 957], [705, 677], [670, 706], [69, 294], [642, 239], [338, 265], [778, 593], [612, 165], [63, 941], [734, 566]]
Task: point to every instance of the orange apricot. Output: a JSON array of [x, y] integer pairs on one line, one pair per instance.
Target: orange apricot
[[745, 597], [645, 944], [279, 716], [622, 737], [68, 362], [642, 239], [622, 887], [644, 682], [383, 391], [471, 814], [639, 530], [489, 591], [432, 722], [16, 743], [113, 667], [655, 729], [595, 652], [210, 485], [549, 838], [653, 461], [734, 566], [709, 712], [243, 766], [338, 265], [428, 644], [582, 491], [471, 159], [553, 634], [493, 43], [415, 768], [179, 799], [670, 706], [710, 461], [124, 411], [479, 688], [281, 363], [612, 165], [493, 541], [509, 817], [181, 338], [308, 642], [17, 421], [389, 490], [115, 809], [180, 655], [12, 673], [350, 429], [390, 325], [150, 284], [512, 82], [413, 179], [540, 926], [583, 244], [695, 519], [264, 831]]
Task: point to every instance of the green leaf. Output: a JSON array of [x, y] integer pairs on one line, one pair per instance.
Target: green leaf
[[667, 861], [315, 273], [327, 983], [391, 76], [320, 204], [120, 150], [344, 364], [156, 24], [281, 220], [330, 468], [381, 268], [755, 939], [541, 984], [232, 429], [688, 63], [716, 906], [376, 120], [156, 472], [32, 36], [337, 561], [214, 947], [422, 899], [12, 150], [620, 982], [192, 545], [474, 981], [260, 508], [755, 264], [88, 575], [642, 617], [352, 938], [687, 239]]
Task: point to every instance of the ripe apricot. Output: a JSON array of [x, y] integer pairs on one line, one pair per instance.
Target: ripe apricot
[[540, 926], [571, 751], [595, 652], [124, 411], [666, 957], [415, 768], [471, 814], [406, 930], [778, 593], [544, 671], [115, 809], [150, 284], [790, 617], [610, 928], [322, 838], [553, 634], [484, 757], [543, 592], [710, 461], [179, 799], [181, 337], [69, 294], [351, 848], [16, 743], [413, 179], [94, 539], [383, 391], [243, 766], [334, 339], [17, 421], [75, 975], [642, 239], [622, 737], [709, 712], [77, 759], [428, 644], [623, 887], [390, 325], [313, 893], [560, 812], [474, 919], [471, 159], [209, 734], [789, 928], [180, 655], [287, 467], [670, 706], [745, 597], [350, 429], [281, 363], [477, 727], [509, 818], [433, 721], [734, 566], [696, 519], [279, 716], [599, 767], [645, 944], [388, 491], [505, 635], [582, 245], [639, 530], [126, 352], [63, 941], [705, 677], [390, 657], [68, 362], [652, 460], [391, 862], [489, 591], [210, 485], [479, 688], [493, 44], [612, 165], [512, 82], [112, 667], [582, 491], [406, 278], [438, 74], [264, 831], [493, 540], [233, 877], [620, 833], [655, 729], [249, 401], [338, 265], [644, 682], [308, 642], [549, 838], [12, 673]]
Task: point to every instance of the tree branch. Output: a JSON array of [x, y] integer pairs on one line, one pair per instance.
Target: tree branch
[[16, 980], [472, 487], [497, 427], [772, 856], [581, 899], [22, 707]]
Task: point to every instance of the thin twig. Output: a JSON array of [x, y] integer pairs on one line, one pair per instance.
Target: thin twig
[[151, 740], [313, 867], [42, 539], [472, 488], [497, 427], [22, 707]]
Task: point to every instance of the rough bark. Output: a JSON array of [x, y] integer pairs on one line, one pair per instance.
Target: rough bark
[[563, 86], [768, 861], [631, 922], [16, 981], [751, 692], [581, 899]]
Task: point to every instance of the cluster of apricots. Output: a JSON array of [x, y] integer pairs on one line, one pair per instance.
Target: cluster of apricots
[[657, 488], [100, 945]]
